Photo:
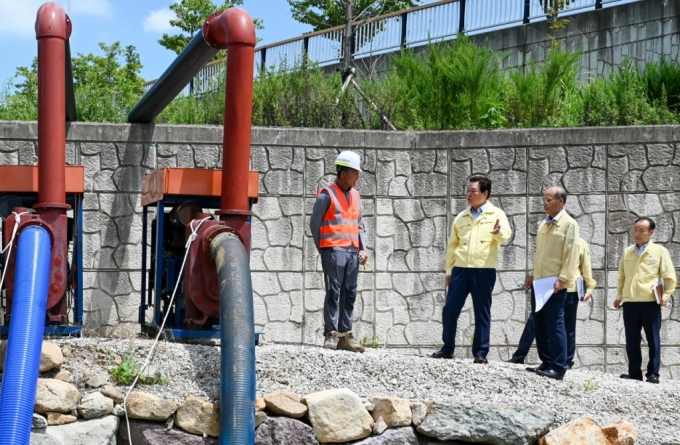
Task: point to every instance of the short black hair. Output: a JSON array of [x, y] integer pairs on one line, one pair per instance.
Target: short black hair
[[484, 183], [650, 221], [340, 169], [560, 193]]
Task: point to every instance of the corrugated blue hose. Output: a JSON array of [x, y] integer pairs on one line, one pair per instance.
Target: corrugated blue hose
[[22, 363], [237, 326]]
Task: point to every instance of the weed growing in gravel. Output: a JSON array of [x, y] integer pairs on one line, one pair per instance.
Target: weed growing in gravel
[[126, 372], [370, 342], [590, 385]]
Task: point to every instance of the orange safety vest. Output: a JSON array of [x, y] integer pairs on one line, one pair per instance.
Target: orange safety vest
[[340, 224]]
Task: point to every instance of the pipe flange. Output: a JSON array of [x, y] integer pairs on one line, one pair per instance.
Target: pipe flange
[[218, 230], [234, 212], [51, 205]]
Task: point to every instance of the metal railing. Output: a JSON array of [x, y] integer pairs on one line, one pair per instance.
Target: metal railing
[[409, 28]]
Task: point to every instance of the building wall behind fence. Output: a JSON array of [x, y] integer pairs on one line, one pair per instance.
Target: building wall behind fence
[[412, 185]]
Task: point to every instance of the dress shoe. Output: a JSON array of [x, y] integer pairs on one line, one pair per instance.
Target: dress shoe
[[543, 367], [570, 365], [630, 377], [652, 378], [481, 360], [441, 354], [552, 374], [516, 361]]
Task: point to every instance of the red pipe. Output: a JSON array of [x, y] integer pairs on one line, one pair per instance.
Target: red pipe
[[52, 29], [233, 30]]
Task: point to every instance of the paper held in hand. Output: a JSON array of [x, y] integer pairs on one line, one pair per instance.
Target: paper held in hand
[[543, 290], [658, 290], [580, 287]]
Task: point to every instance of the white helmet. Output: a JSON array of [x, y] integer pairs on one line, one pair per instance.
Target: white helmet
[[349, 159]]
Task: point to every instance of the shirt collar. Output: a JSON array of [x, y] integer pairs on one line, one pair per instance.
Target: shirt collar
[[480, 210], [641, 248], [557, 217]]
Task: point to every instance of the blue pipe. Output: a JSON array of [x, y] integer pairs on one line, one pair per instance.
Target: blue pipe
[[237, 341], [22, 362]]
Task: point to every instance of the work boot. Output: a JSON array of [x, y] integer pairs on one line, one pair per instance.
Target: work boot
[[347, 343], [331, 340]]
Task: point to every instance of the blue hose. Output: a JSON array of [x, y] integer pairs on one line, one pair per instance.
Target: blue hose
[[22, 362], [237, 341]]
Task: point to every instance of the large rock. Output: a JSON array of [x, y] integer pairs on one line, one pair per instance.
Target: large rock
[[147, 407], [394, 411], [620, 432], [50, 357], [198, 416], [95, 405], [490, 423], [285, 403], [154, 433], [100, 431], [395, 436], [60, 418], [113, 394], [582, 431], [284, 431], [419, 411], [55, 396], [337, 415]]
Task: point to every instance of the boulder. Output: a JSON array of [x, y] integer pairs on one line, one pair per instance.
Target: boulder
[[285, 403], [620, 432], [55, 396], [284, 431], [147, 407], [113, 394], [60, 418], [100, 431], [393, 436], [97, 381], [337, 415], [260, 404], [419, 411], [379, 426], [198, 416], [491, 423], [260, 418], [582, 431], [63, 375], [95, 405], [38, 422], [394, 411], [154, 433], [50, 356]]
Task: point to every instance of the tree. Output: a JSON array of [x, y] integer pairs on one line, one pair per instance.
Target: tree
[[191, 15], [324, 14]]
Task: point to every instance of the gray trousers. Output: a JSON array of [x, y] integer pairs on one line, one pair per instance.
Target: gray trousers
[[340, 270]]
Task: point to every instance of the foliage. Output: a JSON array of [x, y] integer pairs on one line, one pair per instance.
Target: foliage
[[370, 342], [324, 14], [191, 15], [662, 80], [126, 372], [590, 385]]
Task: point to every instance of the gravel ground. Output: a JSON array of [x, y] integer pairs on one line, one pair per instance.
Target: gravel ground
[[193, 369]]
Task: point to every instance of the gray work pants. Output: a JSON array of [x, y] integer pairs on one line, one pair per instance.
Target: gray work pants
[[340, 270]]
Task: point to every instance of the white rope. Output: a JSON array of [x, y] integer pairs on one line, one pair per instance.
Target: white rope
[[191, 239], [8, 247]]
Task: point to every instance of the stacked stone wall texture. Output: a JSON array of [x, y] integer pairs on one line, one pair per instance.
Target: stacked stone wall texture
[[643, 30], [412, 186]]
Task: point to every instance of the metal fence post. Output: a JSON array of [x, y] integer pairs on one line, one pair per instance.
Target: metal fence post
[[263, 60], [598, 4], [527, 11], [402, 42], [461, 18]]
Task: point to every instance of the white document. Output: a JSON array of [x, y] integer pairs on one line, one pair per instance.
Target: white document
[[543, 290], [658, 290], [580, 287]]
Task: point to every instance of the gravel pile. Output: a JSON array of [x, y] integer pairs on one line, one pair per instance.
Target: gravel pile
[[193, 369]]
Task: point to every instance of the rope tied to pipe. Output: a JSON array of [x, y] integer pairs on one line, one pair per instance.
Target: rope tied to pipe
[[17, 221]]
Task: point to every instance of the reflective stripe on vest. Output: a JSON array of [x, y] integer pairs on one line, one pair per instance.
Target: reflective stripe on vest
[[340, 224]]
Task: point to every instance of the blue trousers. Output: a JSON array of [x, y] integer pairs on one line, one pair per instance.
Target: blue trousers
[[551, 334], [528, 335], [341, 271], [479, 283], [642, 316]]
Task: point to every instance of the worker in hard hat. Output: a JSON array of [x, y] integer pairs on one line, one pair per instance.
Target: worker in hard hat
[[338, 230]]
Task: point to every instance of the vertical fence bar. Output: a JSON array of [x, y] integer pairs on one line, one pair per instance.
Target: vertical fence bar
[[526, 14], [263, 60], [402, 41], [461, 17], [598, 4]]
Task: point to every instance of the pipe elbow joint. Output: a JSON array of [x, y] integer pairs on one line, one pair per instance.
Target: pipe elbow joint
[[52, 22], [231, 27]]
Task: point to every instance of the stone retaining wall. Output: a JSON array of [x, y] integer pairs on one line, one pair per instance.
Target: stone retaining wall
[[412, 185]]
